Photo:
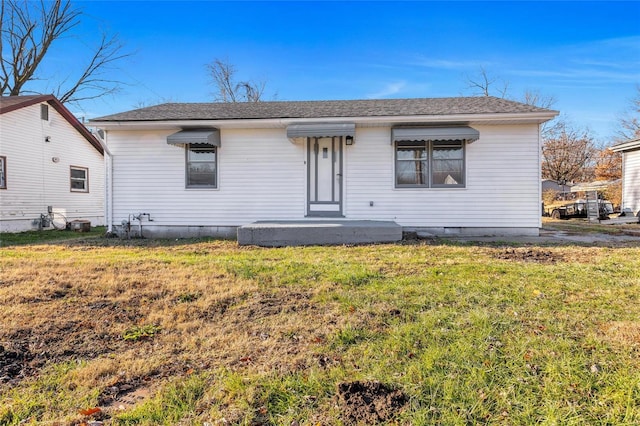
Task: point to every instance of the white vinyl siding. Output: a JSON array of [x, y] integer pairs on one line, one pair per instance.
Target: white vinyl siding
[[631, 180], [262, 176], [38, 171], [501, 183]]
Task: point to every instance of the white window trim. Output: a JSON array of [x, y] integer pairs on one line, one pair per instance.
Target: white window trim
[[85, 180]]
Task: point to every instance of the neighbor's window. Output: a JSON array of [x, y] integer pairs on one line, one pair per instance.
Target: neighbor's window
[[3, 172], [430, 164], [44, 112], [201, 166], [79, 179]]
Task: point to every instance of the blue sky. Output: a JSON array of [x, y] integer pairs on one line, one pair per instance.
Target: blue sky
[[584, 54]]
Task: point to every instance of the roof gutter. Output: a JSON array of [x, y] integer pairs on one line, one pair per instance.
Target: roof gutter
[[535, 117], [626, 146]]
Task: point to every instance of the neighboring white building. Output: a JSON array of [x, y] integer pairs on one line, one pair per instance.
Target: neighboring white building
[[445, 165], [630, 174], [48, 160]]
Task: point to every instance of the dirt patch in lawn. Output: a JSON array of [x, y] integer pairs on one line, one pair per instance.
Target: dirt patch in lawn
[[123, 395], [369, 402], [526, 254], [86, 331], [15, 362]]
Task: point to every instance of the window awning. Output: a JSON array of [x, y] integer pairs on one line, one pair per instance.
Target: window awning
[[318, 130], [456, 133], [201, 136]]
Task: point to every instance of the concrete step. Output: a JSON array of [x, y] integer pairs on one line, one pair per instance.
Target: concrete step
[[620, 220], [318, 232]]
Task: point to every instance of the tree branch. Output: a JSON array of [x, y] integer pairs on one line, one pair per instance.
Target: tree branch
[[223, 78], [29, 29]]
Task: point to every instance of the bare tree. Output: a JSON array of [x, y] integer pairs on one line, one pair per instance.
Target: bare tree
[[568, 154], [484, 84], [223, 76], [630, 120], [29, 29], [535, 98]]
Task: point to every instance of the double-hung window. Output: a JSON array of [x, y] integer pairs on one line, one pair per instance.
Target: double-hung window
[[447, 162], [412, 164], [201, 166], [79, 179], [430, 164]]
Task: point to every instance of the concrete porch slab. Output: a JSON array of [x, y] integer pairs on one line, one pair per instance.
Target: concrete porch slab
[[318, 232]]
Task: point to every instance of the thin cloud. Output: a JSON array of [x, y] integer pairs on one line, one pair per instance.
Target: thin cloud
[[448, 64], [581, 74], [389, 90]]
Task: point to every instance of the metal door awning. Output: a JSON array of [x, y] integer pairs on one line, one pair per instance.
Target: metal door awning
[[318, 130]]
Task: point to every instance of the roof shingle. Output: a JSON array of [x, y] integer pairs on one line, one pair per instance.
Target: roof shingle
[[324, 109]]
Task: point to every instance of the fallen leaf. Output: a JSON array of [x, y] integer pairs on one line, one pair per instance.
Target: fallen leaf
[[90, 411]]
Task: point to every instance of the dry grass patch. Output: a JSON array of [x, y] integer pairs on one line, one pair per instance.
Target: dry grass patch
[[67, 303], [626, 333], [203, 331]]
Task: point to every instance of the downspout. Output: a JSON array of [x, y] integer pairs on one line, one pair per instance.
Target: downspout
[[540, 209], [622, 186], [108, 182]]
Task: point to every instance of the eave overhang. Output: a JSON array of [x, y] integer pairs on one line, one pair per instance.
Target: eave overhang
[[378, 121], [631, 145]]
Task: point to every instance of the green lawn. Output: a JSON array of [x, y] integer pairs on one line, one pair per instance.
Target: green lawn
[[227, 335], [31, 237]]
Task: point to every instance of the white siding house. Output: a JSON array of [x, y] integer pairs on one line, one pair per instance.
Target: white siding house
[[445, 165], [630, 174], [48, 161]]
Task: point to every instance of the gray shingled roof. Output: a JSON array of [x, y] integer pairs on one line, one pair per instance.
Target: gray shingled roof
[[323, 109], [8, 102]]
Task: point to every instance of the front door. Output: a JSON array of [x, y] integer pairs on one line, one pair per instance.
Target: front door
[[324, 169]]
